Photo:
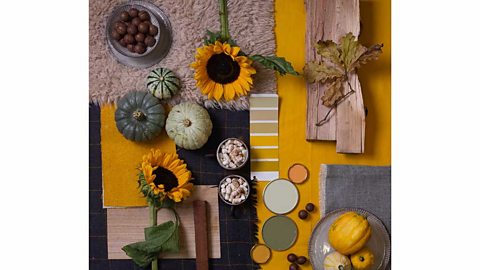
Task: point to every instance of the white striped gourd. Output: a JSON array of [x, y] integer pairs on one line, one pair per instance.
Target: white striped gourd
[[162, 83]]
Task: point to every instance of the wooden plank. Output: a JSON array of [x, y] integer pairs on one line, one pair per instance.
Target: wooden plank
[[201, 234], [351, 112], [330, 20], [320, 26], [125, 226], [351, 121]]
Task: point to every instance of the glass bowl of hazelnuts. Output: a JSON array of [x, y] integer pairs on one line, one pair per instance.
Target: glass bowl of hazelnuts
[[133, 30]]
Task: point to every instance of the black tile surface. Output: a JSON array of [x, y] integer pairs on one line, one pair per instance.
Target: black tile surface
[[237, 233]]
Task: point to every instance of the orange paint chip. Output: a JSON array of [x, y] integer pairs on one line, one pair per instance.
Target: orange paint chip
[[260, 253], [298, 173]]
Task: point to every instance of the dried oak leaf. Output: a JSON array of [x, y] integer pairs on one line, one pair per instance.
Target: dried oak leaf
[[333, 92], [321, 73], [337, 61]]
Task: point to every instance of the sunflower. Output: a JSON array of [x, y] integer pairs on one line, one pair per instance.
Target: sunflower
[[221, 72], [166, 176]]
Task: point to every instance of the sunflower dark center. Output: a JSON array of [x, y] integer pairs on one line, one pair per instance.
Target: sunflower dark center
[[165, 177], [221, 68]]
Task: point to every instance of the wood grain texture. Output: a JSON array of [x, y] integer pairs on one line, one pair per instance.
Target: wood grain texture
[[330, 20], [125, 226], [201, 234]]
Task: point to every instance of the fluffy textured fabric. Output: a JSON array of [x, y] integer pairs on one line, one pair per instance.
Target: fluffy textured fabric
[[251, 25]]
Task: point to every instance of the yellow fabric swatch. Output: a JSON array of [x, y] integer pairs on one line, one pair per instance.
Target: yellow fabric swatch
[[120, 159], [290, 20]]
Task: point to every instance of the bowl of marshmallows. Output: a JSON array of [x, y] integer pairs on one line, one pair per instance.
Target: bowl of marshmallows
[[232, 154]]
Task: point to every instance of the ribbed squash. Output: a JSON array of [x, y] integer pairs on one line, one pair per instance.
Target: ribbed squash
[[139, 116], [162, 83], [363, 259], [189, 125], [349, 233], [336, 261]]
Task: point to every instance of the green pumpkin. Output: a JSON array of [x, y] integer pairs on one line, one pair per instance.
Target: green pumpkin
[[139, 116], [162, 83], [189, 125]]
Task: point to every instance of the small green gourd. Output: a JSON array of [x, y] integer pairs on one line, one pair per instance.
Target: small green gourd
[[139, 116], [162, 83]]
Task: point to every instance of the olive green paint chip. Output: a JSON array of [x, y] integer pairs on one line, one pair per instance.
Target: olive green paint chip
[[279, 232]]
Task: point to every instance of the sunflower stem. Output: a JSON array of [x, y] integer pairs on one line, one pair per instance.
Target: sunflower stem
[[153, 222], [224, 20]]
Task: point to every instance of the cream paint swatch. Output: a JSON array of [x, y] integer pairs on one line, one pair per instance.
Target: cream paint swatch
[[264, 136], [125, 226]]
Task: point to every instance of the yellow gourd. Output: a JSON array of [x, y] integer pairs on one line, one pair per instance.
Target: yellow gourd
[[349, 233], [336, 261], [363, 259]]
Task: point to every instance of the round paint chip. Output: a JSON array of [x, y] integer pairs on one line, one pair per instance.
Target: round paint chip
[[298, 173], [279, 232], [280, 196], [260, 253]]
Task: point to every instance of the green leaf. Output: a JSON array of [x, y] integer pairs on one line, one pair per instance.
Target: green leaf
[[276, 63], [160, 238], [314, 72], [211, 37]]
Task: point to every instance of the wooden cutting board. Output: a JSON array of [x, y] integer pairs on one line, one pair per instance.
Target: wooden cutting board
[[125, 226], [330, 20]]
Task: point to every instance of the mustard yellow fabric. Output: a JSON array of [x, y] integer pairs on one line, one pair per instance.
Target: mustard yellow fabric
[[120, 158], [375, 80]]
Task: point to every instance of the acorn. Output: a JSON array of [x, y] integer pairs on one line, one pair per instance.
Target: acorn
[[292, 257], [301, 260], [310, 207], [302, 214], [293, 267]]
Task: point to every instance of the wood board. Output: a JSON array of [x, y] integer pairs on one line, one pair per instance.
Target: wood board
[[330, 20], [125, 226]]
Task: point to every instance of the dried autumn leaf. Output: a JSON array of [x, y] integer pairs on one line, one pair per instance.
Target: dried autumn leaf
[[370, 54], [332, 93], [338, 60], [329, 51], [351, 51], [321, 73]]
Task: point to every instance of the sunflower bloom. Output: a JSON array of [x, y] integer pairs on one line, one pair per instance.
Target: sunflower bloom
[[221, 73], [167, 175]]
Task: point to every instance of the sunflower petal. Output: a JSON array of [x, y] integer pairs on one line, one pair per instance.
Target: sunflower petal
[[218, 92], [229, 92]]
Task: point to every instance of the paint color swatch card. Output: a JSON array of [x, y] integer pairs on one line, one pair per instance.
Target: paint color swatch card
[[264, 136]]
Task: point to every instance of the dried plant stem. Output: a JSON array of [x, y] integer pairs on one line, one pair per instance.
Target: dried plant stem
[[340, 100], [224, 20], [153, 222]]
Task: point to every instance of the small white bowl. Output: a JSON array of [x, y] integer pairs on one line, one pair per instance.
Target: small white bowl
[[219, 152], [224, 180]]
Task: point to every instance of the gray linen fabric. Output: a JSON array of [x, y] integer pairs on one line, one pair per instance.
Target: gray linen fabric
[[366, 187]]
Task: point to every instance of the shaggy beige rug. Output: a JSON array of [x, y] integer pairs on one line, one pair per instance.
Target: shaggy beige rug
[[251, 24]]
